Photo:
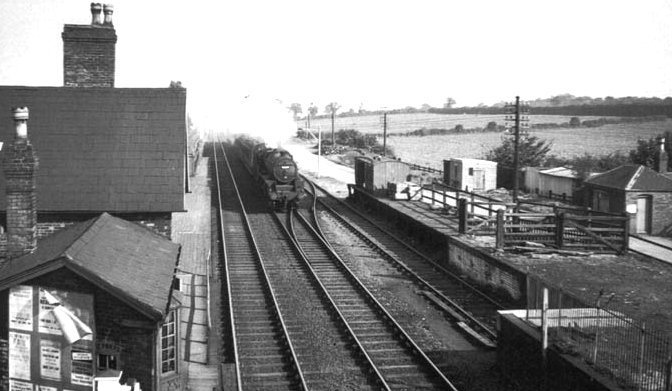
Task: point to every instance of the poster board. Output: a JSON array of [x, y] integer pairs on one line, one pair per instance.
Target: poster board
[[51, 340]]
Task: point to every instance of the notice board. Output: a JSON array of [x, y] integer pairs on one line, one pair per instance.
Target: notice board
[[51, 340]]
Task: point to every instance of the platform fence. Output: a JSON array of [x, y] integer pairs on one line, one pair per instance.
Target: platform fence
[[636, 355]]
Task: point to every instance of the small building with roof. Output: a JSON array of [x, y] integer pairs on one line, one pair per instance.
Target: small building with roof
[[556, 182], [117, 320], [640, 191]]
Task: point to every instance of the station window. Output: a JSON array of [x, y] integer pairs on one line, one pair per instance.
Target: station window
[[471, 172], [168, 344], [107, 361]]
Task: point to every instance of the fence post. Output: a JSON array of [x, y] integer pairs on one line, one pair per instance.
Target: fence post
[[597, 332], [559, 328], [462, 215], [432, 193], [499, 242], [626, 233], [472, 203], [559, 229], [544, 324]]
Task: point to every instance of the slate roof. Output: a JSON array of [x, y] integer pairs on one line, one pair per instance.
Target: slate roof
[[103, 149], [632, 178], [127, 260]]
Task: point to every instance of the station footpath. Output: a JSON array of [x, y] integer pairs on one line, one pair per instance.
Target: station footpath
[[199, 345]]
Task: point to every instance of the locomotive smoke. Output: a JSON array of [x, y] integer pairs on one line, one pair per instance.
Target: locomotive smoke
[[262, 117]]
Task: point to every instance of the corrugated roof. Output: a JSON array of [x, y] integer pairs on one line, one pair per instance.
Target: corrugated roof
[[563, 172], [634, 178], [124, 258], [103, 149]]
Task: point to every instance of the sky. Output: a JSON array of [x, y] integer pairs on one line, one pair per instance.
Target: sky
[[240, 58]]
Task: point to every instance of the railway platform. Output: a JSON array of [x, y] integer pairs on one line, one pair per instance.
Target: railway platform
[[199, 345]]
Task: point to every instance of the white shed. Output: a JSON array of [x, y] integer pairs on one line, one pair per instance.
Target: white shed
[[470, 174]]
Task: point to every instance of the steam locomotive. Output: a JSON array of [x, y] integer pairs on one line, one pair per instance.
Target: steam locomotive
[[273, 169]]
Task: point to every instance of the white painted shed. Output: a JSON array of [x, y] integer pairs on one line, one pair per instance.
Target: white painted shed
[[470, 174]]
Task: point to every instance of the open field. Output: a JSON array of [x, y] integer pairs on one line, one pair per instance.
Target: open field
[[431, 150], [402, 123]]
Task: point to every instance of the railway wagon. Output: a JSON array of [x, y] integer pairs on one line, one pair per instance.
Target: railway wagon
[[373, 174], [274, 170]]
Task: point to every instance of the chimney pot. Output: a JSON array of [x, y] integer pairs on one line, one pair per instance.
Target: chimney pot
[[96, 8], [20, 115], [108, 9]]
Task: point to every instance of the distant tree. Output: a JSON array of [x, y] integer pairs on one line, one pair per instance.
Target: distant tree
[[332, 108], [575, 122], [492, 126], [459, 128], [450, 102], [175, 84], [532, 151], [647, 151], [425, 107], [295, 108], [587, 164]]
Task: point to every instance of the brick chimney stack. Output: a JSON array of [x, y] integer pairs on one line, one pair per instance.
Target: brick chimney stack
[[19, 165], [662, 157], [89, 50]]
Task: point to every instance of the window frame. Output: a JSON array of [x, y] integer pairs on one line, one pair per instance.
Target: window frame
[[168, 335]]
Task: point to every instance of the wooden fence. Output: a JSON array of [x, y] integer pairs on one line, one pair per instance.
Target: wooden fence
[[564, 228], [602, 234]]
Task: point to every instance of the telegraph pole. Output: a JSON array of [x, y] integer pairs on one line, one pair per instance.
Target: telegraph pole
[[518, 115], [333, 139], [384, 134]]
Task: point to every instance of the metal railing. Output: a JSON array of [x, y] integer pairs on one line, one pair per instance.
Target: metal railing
[[636, 356]]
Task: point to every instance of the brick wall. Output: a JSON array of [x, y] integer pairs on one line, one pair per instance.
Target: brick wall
[[88, 56], [113, 318], [486, 270], [50, 223], [4, 364]]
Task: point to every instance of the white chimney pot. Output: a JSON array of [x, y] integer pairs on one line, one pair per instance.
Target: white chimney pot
[[21, 121]]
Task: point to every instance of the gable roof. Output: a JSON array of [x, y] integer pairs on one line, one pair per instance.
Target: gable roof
[[632, 178], [128, 260], [103, 149]]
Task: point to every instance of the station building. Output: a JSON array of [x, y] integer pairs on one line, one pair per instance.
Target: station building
[[86, 265]]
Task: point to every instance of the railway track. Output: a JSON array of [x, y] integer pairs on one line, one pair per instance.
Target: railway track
[[474, 311], [263, 354], [325, 350], [396, 357]]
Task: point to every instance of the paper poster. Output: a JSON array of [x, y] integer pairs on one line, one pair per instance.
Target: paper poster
[[21, 308], [47, 322], [81, 379], [18, 385], [40, 387], [82, 356], [19, 355], [50, 359]]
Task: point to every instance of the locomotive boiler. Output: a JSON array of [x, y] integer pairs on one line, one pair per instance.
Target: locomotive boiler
[[274, 170]]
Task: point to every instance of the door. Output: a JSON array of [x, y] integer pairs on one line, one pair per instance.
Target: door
[[644, 215], [479, 179]]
